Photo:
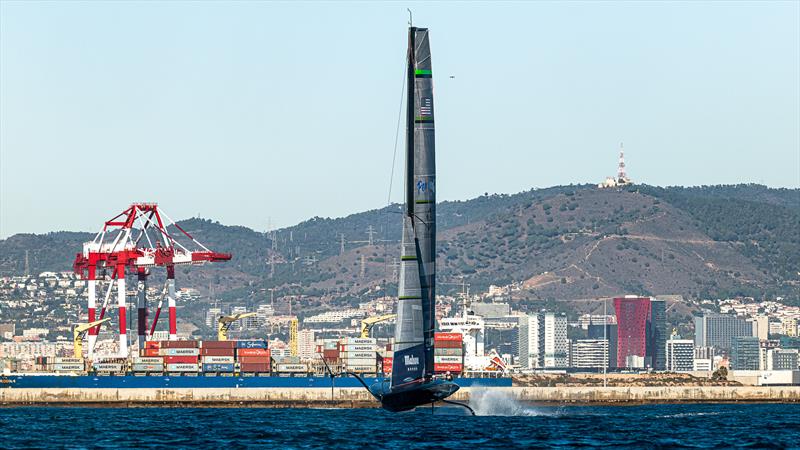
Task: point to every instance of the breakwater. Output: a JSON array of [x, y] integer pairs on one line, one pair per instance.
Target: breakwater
[[360, 398]]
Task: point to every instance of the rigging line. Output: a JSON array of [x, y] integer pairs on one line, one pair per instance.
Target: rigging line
[[391, 176], [397, 134]]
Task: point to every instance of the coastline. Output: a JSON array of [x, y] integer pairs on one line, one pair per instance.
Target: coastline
[[360, 398]]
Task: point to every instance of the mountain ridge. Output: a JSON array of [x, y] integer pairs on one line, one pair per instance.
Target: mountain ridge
[[574, 241]]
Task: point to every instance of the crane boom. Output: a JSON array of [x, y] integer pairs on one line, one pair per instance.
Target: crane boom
[[369, 322], [224, 324], [79, 332]]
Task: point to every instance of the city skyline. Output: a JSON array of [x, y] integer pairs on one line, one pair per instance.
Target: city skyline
[[257, 106]]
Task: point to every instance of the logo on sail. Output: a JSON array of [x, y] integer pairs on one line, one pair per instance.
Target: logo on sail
[[426, 107], [426, 185], [411, 360]]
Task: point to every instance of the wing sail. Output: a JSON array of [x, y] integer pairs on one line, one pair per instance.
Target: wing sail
[[416, 303]]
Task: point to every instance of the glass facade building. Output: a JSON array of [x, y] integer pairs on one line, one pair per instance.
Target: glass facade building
[[633, 330], [745, 353], [717, 330]]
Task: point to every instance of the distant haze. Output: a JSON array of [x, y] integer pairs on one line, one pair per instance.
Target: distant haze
[[250, 112]]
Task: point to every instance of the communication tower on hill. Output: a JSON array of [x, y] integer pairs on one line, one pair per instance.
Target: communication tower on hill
[[622, 176]]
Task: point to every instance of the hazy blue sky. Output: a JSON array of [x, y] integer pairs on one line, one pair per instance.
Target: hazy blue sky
[[245, 111]]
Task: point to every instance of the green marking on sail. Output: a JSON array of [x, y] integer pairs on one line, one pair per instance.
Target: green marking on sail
[[422, 72], [423, 202], [423, 119], [409, 297], [408, 258]]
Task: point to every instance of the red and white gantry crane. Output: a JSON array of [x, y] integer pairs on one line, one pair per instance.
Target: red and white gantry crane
[[137, 239]]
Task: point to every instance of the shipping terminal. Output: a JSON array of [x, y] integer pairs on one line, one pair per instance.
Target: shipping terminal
[[418, 367], [140, 240]]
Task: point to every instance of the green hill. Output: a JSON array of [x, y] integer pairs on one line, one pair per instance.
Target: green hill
[[565, 242]]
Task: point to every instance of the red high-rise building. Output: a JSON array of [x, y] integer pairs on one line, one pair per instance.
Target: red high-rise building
[[633, 328]]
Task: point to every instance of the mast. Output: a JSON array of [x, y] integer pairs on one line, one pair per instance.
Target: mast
[[416, 291], [409, 175]]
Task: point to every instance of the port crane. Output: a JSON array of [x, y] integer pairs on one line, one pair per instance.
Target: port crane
[[368, 323], [139, 239], [79, 332], [293, 336], [224, 324]]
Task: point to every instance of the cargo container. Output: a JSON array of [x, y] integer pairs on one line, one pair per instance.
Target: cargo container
[[63, 360], [287, 360], [359, 341], [357, 348], [254, 367], [387, 365], [180, 344], [447, 359], [448, 337], [361, 369], [108, 367], [111, 360], [218, 344], [180, 351], [297, 368], [359, 362], [218, 367], [182, 367], [251, 344], [440, 351], [357, 355], [254, 360], [330, 353], [454, 368], [218, 360], [252, 352], [151, 352], [213, 351], [143, 367], [447, 344], [180, 359], [148, 360], [330, 345], [152, 344], [68, 367]]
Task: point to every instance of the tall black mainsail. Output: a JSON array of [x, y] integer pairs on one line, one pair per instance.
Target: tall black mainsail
[[416, 294], [413, 382]]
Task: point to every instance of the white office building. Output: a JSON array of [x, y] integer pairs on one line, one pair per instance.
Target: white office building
[[680, 355], [306, 345], [531, 335], [556, 347], [703, 365], [543, 341], [589, 353], [760, 324]]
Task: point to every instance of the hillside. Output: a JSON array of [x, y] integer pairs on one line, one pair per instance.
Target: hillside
[[566, 242]]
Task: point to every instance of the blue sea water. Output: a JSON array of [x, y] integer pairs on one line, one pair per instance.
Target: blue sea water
[[507, 426]]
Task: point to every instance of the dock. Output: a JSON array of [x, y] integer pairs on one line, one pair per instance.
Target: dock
[[360, 398]]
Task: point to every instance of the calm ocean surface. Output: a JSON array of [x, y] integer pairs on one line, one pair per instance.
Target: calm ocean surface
[[515, 426]]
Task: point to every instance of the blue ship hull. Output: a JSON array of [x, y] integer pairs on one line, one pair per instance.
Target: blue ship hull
[[162, 382]]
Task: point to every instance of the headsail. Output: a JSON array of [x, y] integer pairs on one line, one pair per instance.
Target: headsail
[[413, 353]]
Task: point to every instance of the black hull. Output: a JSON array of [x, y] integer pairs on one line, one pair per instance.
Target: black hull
[[409, 398]]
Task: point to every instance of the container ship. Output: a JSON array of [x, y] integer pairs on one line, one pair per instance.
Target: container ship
[[240, 364]]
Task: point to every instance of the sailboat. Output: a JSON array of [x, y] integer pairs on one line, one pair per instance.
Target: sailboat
[[413, 382]]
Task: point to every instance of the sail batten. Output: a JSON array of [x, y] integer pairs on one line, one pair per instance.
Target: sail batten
[[416, 291]]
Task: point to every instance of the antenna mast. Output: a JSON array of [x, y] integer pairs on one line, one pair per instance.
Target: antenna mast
[[622, 177]]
